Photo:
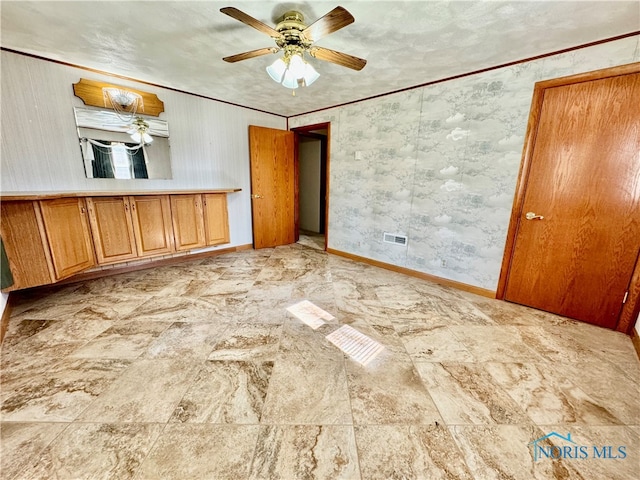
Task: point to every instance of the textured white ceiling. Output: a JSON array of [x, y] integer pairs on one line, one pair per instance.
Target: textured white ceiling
[[181, 44]]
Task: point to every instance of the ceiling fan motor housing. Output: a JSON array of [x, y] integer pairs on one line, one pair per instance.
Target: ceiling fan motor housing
[[291, 28]]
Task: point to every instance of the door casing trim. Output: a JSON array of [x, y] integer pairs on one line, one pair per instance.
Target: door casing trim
[[327, 153]]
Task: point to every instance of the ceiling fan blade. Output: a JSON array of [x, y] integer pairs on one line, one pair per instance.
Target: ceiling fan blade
[[338, 58], [331, 22], [251, 54], [249, 20]]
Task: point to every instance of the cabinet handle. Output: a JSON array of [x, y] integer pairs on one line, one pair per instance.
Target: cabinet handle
[[126, 207], [82, 210], [133, 206]]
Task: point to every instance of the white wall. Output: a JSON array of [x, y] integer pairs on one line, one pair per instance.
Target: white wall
[[40, 150], [309, 155], [439, 164]]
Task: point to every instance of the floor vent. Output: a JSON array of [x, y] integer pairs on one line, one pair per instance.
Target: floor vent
[[395, 239]]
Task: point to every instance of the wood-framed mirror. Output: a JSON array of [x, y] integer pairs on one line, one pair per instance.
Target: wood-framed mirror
[[111, 150]]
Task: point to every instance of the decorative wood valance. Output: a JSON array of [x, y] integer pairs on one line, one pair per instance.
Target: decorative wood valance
[[92, 93]]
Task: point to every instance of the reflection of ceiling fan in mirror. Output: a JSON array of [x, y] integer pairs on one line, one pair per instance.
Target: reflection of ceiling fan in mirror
[[295, 38]]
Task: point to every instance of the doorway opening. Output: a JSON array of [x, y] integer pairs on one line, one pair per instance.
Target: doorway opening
[[312, 170]]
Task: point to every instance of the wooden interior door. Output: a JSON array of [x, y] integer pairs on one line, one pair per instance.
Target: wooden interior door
[[272, 186], [578, 225]]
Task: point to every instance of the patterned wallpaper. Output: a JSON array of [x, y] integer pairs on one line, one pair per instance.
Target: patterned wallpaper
[[440, 164]]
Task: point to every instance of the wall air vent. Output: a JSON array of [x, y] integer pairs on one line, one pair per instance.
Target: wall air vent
[[395, 239]]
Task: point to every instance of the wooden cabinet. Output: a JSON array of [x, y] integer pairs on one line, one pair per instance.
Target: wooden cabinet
[[49, 237], [20, 230], [152, 224], [199, 220], [67, 233], [126, 228], [46, 240], [188, 221], [112, 228], [216, 218]]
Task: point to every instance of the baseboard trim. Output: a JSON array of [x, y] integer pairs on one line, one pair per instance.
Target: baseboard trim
[[414, 273], [635, 339], [162, 262], [6, 313]]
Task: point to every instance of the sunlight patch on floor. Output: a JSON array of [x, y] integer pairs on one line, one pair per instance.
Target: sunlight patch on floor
[[357, 345], [310, 314]]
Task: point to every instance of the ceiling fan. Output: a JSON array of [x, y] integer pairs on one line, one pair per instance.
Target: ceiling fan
[[295, 38]]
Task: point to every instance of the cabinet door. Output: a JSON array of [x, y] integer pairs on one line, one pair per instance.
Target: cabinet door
[[188, 221], [27, 255], [151, 216], [67, 232], [112, 229], [216, 218]]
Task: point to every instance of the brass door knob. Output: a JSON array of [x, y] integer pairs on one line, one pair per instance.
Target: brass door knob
[[533, 216]]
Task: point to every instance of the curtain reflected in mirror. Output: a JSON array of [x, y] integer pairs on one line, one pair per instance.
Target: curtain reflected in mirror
[[108, 150], [118, 160]]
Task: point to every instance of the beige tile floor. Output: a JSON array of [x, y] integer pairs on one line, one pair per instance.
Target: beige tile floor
[[195, 371]]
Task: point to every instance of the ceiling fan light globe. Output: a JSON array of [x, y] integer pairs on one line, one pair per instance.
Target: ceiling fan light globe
[[136, 137], [147, 138], [310, 75], [297, 66], [276, 70], [289, 81]]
